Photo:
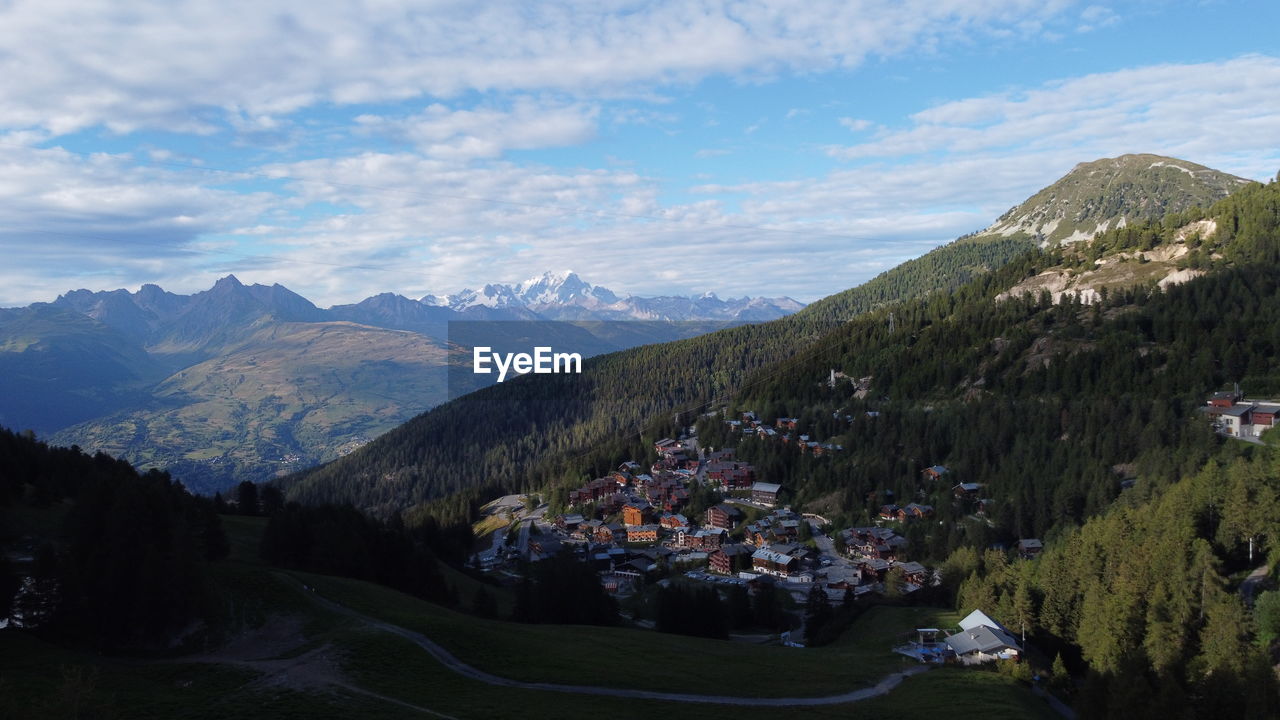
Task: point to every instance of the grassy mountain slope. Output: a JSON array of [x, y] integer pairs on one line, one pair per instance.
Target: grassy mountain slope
[[1111, 192], [292, 394], [292, 657], [58, 366]]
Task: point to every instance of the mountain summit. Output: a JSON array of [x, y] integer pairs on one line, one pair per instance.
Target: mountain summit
[[1113, 192]]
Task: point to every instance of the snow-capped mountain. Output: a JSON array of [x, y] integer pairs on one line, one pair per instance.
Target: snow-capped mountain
[[566, 296]]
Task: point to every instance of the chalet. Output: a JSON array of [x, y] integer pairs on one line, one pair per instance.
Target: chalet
[[766, 493], [773, 563], [569, 523], [730, 474], [544, 546], [722, 516], [914, 511], [935, 472], [665, 444], [629, 466], [913, 572], [671, 521], [587, 530], [636, 513], [1029, 547], [784, 423], [610, 533], [889, 512], [757, 533], [728, 559], [982, 639], [642, 533], [613, 503], [721, 455], [873, 568], [706, 539], [966, 490]]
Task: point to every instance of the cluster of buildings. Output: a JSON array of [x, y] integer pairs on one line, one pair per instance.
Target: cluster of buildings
[[1233, 415], [783, 430], [877, 551]]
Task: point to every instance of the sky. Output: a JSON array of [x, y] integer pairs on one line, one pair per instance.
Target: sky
[[740, 147]]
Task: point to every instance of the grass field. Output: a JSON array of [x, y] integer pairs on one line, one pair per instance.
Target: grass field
[[39, 679]]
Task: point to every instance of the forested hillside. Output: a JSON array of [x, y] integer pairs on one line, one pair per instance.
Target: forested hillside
[[550, 429], [539, 429], [118, 560]]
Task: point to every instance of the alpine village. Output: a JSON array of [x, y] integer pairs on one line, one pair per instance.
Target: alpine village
[[1032, 473]]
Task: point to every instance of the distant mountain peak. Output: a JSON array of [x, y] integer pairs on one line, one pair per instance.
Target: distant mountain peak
[[565, 295], [1111, 192]]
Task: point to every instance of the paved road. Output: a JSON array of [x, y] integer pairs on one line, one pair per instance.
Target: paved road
[[525, 526], [446, 658], [1250, 585]]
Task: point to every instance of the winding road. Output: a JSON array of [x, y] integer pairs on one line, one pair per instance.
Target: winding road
[[450, 661]]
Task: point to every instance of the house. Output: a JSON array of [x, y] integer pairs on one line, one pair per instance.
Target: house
[[731, 475], [966, 490], [707, 538], [722, 516], [609, 533], [569, 523], [773, 563], [665, 444], [1225, 398], [785, 423], [914, 511], [982, 639], [587, 530], [1235, 419], [873, 568], [1029, 547], [544, 546], [721, 455], [670, 522], [765, 493], [636, 513], [728, 559], [913, 572], [889, 512], [934, 472], [642, 533]]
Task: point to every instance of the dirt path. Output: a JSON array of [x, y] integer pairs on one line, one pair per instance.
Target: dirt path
[[446, 658]]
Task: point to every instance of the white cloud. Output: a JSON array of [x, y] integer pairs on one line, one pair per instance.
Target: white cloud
[[184, 67], [1224, 114], [855, 124], [65, 217], [1095, 17], [441, 132], [710, 153]]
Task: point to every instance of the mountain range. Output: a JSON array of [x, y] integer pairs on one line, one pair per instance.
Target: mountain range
[[247, 381]]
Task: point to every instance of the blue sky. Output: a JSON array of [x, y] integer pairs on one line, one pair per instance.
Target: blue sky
[[345, 149]]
